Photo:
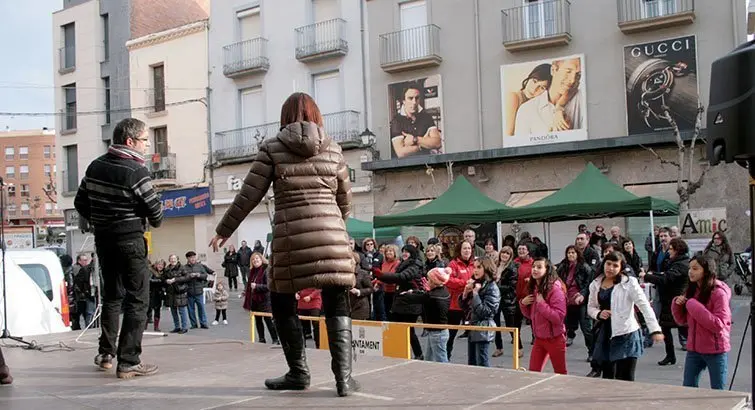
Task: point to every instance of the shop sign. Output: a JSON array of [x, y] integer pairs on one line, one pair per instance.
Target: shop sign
[[186, 202]]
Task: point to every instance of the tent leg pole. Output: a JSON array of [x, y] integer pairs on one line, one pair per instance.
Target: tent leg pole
[[549, 240], [652, 231], [499, 235]]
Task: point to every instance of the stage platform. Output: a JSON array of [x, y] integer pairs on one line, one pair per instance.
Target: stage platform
[[200, 372]]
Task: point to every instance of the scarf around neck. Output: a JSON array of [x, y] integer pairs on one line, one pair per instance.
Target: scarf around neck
[[125, 152]]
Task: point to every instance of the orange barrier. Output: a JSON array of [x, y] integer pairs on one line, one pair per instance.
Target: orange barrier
[[388, 339]]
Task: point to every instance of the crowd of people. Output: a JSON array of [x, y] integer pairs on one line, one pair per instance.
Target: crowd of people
[[598, 287]]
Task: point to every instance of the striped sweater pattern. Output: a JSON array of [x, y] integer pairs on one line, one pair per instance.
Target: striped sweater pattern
[[116, 194]]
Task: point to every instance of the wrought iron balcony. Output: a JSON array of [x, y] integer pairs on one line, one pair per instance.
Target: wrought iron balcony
[[242, 142], [410, 49], [67, 59], [321, 40], [343, 127], [537, 25], [644, 15], [163, 169], [246, 57]]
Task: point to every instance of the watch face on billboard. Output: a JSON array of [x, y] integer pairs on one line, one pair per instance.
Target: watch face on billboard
[[661, 85], [544, 101], [415, 112]]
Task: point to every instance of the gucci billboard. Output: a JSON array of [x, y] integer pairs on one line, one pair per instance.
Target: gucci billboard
[[661, 85]]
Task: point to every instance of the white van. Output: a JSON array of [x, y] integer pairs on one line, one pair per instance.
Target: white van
[[37, 296]]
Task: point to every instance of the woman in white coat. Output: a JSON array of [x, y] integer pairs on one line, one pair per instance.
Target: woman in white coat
[[612, 301]]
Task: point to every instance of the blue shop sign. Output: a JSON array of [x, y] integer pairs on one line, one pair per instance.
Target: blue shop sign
[[186, 202]]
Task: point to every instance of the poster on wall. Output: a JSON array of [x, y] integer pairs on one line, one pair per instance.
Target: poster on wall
[[544, 101], [415, 110], [698, 226], [661, 81], [19, 237]]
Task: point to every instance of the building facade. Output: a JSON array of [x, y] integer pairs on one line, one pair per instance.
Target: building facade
[[519, 95], [260, 52], [169, 77], [92, 84], [29, 171]]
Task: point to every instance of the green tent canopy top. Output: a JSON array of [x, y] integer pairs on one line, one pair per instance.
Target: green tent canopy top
[[462, 203], [359, 229], [590, 195]]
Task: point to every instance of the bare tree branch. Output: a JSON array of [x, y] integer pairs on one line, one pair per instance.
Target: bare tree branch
[[660, 158], [52, 193]]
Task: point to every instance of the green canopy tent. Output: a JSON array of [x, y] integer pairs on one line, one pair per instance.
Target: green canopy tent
[[590, 195], [462, 203]]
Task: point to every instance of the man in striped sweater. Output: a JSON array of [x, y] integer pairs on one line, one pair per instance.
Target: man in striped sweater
[[115, 197]]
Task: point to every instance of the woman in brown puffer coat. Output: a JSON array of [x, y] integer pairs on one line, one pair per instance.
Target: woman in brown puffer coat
[[310, 247]]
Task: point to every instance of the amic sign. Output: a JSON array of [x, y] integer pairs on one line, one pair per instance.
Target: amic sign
[[703, 223], [367, 340], [186, 202]]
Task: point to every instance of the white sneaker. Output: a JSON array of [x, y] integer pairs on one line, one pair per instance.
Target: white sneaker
[[225, 322], [214, 322]]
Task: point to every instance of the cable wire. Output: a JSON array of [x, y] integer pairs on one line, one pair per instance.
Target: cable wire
[[97, 112]]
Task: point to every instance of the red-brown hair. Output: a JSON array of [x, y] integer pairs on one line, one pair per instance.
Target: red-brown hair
[[300, 107]]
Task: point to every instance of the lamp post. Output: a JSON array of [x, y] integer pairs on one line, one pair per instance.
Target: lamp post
[[368, 140]]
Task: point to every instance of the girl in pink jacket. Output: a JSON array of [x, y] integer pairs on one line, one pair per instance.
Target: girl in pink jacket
[[545, 306], [705, 309]]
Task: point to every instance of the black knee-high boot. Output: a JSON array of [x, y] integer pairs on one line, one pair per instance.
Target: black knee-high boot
[[339, 341], [292, 340], [5, 377]]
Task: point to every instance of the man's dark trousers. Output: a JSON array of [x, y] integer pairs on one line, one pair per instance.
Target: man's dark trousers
[[125, 276]]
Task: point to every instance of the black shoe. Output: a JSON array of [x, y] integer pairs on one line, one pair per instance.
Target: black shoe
[[183, 331], [594, 373], [204, 327], [194, 326], [464, 335], [569, 341], [175, 331], [291, 337], [141, 369], [103, 362], [668, 361], [339, 339]]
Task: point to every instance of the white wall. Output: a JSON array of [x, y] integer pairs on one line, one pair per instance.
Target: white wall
[[185, 64], [89, 93], [286, 74]]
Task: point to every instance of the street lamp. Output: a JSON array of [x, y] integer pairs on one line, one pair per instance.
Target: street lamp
[[368, 142]]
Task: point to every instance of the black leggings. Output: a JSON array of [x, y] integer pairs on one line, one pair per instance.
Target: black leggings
[[404, 318], [454, 318], [311, 327], [335, 302], [233, 282], [259, 323], [620, 370], [510, 319], [218, 312]]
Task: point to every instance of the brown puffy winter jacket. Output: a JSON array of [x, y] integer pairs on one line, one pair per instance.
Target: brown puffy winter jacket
[[310, 247]]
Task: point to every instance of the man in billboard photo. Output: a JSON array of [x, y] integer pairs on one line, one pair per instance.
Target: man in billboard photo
[[413, 130], [559, 109]]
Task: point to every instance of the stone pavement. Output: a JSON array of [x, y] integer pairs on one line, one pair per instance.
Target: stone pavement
[[199, 371]]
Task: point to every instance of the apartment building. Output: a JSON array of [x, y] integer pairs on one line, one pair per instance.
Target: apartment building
[[451, 83], [169, 76], [262, 51], [92, 80], [29, 170]]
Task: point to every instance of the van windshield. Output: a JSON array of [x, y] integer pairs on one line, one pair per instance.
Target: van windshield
[[41, 276]]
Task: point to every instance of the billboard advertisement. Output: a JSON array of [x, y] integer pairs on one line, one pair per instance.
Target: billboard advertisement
[[186, 202], [415, 110], [661, 85], [544, 101]]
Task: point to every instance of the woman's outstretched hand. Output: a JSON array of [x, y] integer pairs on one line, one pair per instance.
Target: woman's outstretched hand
[[217, 242]]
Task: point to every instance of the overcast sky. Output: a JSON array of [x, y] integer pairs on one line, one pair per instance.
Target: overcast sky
[[26, 74]]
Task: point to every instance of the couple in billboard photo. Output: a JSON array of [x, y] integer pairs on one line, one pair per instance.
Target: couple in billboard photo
[[542, 97]]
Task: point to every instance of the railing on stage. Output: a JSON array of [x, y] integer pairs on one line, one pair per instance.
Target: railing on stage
[[395, 341]]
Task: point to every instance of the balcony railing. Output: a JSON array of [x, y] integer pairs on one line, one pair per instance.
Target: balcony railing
[[242, 142], [246, 57], [67, 59], [155, 99], [410, 49], [163, 167], [343, 126], [643, 15], [320, 40], [537, 25]]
